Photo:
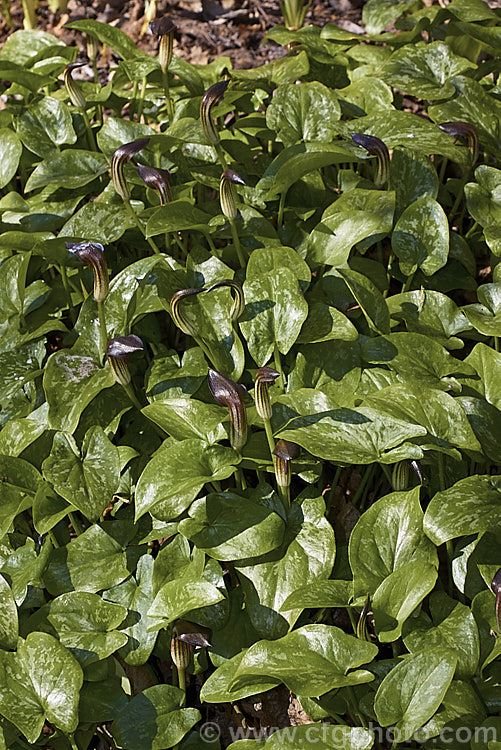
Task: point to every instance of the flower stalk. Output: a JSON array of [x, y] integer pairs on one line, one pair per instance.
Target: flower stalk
[[496, 587], [91, 254], [227, 199], [213, 96], [265, 377], [165, 29], [122, 156], [78, 100]]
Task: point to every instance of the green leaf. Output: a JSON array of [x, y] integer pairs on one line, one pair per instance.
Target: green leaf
[[10, 154], [415, 133], [485, 421], [98, 222], [9, 628], [435, 410], [178, 216], [178, 597], [136, 595], [471, 505], [430, 313], [484, 380], [325, 323], [88, 481], [377, 14], [87, 625], [71, 168], [175, 476], [307, 555], [452, 626], [472, 104], [91, 562], [48, 509], [359, 435], [322, 736], [109, 35], [40, 681], [303, 112], [355, 216], [332, 367], [398, 596], [24, 46], [413, 690], [20, 481], [485, 316], [184, 418], [154, 719], [415, 357], [388, 536], [45, 126], [425, 70], [412, 176], [316, 594], [71, 381], [227, 527], [264, 260], [295, 162], [421, 237], [274, 312], [369, 298], [328, 651]]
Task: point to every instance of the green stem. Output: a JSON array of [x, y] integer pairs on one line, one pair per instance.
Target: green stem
[[103, 334], [407, 284], [90, 134], [75, 522], [280, 382], [221, 156], [284, 494], [142, 95], [181, 678], [457, 202], [241, 479], [64, 277], [334, 484], [365, 478], [281, 207], [168, 100], [353, 705], [133, 101], [496, 343], [53, 539], [352, 620], [129, 390], [73, 744], [269, 436], [236, 243], [443, 167], [139, 225]]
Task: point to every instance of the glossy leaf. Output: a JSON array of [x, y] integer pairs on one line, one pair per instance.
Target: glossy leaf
[[411, 693], [388, 536], [87, 481], [71, 168], [329, 652], [303, 113], [87, 625], [227, 528], [421, 237], [40, 681], [471, 505], [274, 312], [154, 719], [174, 477]]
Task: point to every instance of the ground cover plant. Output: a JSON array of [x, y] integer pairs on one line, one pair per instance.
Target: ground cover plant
[[251, 380]]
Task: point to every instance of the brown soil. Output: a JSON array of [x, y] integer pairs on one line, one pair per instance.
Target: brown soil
[[207, 29]]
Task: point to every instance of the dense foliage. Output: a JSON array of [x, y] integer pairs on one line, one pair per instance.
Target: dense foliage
[[333, 526]]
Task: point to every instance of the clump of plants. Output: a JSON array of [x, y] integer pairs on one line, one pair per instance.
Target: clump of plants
[[250, 387]]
